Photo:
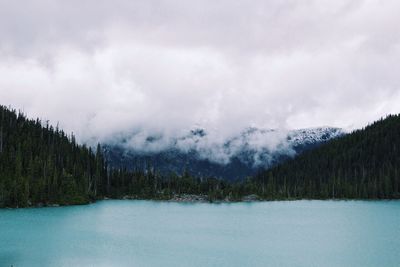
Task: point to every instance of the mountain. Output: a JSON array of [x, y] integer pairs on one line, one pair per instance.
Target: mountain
[[41, 165], [363, 164], [233, 159]]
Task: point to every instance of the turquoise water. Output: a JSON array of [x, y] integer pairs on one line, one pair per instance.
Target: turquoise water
[[147, 233]]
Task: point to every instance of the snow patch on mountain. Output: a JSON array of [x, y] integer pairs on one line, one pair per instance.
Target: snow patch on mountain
[[253, 146]]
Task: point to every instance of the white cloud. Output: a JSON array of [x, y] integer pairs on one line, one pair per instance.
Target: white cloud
[[100, 68]]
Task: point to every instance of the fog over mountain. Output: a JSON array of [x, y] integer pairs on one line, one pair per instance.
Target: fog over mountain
[[107, 69], [234, 158]]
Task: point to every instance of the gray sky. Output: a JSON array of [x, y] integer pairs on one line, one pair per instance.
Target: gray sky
[[104, 67]]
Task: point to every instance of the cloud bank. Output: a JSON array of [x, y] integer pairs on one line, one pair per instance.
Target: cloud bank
[[106, 68]]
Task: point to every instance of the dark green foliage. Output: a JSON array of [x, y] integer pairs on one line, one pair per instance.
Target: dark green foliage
[[40, 164], [150, 185], [364, 165]]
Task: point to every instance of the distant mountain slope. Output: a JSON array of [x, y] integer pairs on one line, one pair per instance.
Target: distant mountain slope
[[363, 164], [234, 159]]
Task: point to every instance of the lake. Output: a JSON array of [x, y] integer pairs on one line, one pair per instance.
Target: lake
[[150, 233]]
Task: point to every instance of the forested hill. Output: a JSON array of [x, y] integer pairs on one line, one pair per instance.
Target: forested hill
[[363, 164], [40, 164]]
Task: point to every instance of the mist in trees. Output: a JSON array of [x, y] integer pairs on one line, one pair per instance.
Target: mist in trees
[[43, 165]]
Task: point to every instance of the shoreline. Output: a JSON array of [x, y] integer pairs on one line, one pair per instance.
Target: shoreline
[[192, 198]]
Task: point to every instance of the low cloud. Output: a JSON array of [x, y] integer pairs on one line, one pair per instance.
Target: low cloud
[[162, 68]]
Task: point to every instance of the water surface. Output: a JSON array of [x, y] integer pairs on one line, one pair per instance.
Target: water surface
[[149, 233]]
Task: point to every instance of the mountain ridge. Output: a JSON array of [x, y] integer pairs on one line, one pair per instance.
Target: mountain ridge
[[234, 159]]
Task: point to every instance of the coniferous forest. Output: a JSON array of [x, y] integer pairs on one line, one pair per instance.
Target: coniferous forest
[[42, 165], [362, 165]]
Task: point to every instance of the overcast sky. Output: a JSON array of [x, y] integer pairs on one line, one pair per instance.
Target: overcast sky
[[100, 68]]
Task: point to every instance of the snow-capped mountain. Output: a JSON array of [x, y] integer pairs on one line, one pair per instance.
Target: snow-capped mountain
[[203, 155]]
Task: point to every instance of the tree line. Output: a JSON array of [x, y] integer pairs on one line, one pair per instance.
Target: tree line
[[40, 164], [364, 164]]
